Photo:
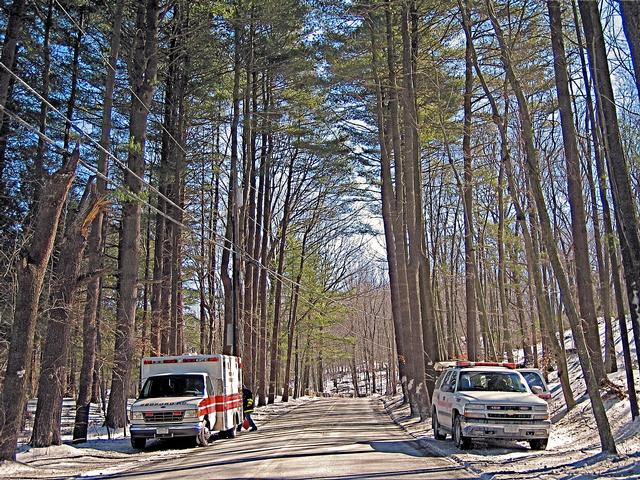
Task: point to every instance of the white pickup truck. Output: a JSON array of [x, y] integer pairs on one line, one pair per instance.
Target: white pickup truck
[[189, 396], [490, 401]]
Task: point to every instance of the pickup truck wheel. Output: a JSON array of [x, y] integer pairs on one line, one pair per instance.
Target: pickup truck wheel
[[205, 434], [138, 442], [436, 427], [539, 444], [462, 442]]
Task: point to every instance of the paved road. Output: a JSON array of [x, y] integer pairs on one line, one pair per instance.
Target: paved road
[[325, 439]]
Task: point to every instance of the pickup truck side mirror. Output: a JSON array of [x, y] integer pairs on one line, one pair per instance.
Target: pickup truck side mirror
[[447, 388], [537, 390]]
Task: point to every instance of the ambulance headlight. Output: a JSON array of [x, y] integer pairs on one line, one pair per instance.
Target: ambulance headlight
[[137, 416], [191, 413]]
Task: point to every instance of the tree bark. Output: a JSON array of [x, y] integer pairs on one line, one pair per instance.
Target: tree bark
[[630, 10], [275, 332], [576, 201], [96, 245], [231, 313], [30, 272], [52, 380], [143, 69], [12, 34], [532, 168], [623, 197], [467, 202]]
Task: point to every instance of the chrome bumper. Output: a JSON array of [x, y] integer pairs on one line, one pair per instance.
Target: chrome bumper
[[515, 431], [165, 431]]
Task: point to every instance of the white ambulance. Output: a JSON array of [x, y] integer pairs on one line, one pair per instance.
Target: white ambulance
[[187, 396]]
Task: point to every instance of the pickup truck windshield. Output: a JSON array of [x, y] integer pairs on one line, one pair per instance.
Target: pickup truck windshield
[[491, 382], [173, 386]]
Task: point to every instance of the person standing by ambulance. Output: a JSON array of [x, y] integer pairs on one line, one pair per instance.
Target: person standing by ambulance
[[247, 405]]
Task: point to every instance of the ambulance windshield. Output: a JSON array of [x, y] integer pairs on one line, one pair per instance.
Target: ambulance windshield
[[173, 386]]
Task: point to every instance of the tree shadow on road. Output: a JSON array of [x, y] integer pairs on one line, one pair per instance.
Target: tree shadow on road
[[406, 447]]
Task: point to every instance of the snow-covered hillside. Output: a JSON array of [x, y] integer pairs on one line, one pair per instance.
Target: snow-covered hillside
[[574, 449], [101, 455]]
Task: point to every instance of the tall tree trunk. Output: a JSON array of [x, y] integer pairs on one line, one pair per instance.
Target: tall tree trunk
[[51, 384], [275, 333], [388, 212], [142, 69], [599, 151], [38, 164], [533, 260], [231, 313], [30, 272], [623, 197], [630, 10], [12, 34], [467, 202], [264, 260], [413, 195], [533, 171], [576, 201]]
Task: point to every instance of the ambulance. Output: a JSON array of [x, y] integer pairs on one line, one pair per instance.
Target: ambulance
[[189, 396]]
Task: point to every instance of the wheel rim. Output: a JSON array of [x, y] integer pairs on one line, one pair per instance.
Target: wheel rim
[[205, 433]]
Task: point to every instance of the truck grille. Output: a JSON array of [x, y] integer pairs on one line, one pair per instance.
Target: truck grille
[[508, 407], [151, 417], [501, 421], [509, 415]]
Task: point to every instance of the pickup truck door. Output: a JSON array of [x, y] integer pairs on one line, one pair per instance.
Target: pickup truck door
[[446, 399], [440, 400]]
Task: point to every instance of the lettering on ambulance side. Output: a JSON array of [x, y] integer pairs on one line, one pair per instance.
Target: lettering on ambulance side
[[162, 404]]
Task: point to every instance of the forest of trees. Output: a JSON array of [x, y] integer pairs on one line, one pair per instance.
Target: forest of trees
[[313, 185]]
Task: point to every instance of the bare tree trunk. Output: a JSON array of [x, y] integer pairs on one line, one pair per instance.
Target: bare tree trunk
[[30, 271], [275, 333], [12, 34], [467, 201], [630, 10], [507, 345], [388, 211], [51, 384], [38, 163], [96, 245], [231, 314], [599, 151], [532, 168], [264, 260], [576, 201], [421, 404], [143, 69], [623, 197]]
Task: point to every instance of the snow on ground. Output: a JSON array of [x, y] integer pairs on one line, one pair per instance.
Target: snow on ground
[[101, 455], [574, 446]]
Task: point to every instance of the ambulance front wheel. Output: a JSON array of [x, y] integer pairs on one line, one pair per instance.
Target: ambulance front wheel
[[205, 434], [138, 442]]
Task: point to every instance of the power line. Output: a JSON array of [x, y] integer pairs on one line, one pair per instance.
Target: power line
[[233, 248], [106, 61]]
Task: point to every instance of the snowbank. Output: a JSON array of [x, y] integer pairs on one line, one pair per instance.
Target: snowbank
[[101, 455], [574, 446]]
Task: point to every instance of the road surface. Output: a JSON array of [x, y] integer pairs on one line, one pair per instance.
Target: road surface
[[326, 439]]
